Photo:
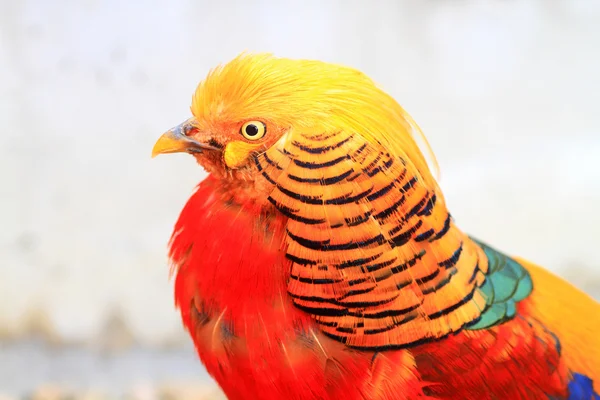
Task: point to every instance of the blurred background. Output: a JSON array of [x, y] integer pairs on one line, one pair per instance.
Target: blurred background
[[506, 91]]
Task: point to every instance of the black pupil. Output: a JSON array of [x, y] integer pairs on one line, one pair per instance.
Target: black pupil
[[251, 130]]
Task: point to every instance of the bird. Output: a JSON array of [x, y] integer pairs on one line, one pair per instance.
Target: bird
[[318, 258]]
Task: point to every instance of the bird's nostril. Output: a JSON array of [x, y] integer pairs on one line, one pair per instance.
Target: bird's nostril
[[189, 130]]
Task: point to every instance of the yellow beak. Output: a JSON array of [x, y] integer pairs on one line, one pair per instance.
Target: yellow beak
[[176, 140]]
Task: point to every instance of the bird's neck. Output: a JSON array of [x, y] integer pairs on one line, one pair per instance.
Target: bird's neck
[[230, 250]]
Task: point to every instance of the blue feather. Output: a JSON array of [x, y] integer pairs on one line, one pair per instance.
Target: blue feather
[[581, 388]]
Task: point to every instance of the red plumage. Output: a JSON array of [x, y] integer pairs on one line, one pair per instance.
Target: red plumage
[[231, 288]]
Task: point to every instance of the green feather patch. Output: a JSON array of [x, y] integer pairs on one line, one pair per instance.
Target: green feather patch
[[507, 282]]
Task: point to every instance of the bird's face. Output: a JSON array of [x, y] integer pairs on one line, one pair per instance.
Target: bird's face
[[222, 147], [257, 103], [246, 106], [241, 109]]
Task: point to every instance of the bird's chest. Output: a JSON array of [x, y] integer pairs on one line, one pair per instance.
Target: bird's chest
[[231, 289], [261, 354], [279, 353]]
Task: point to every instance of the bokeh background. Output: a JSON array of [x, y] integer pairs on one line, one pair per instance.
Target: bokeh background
[[506, 91]]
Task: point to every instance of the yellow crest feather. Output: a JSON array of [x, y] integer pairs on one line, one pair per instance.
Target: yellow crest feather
[[312, 97]]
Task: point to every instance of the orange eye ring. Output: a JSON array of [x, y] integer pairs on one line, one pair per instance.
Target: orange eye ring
[[253, 130]]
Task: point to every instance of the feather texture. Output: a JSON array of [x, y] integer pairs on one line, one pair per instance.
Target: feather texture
[[507, 282], [376, 256], [321, 262], [582, 387]]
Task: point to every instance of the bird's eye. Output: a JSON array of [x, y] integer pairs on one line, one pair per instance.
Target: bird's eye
[[253, 130]]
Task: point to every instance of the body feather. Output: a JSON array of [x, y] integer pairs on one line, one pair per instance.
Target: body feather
[[322, 263], [376, 257], [573, 316]]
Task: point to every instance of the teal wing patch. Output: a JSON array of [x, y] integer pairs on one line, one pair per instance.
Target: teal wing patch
[[507, 282]]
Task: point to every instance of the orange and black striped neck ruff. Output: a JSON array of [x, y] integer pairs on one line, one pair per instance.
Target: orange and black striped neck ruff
[[376, 258]]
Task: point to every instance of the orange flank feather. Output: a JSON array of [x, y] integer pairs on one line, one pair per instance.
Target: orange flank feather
[[318, 260], [571, 315]]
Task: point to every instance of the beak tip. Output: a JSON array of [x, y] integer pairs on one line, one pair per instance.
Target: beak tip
[[175, 140], [167, 144]]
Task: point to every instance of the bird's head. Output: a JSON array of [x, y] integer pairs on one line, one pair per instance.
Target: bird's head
[[256, 102]]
